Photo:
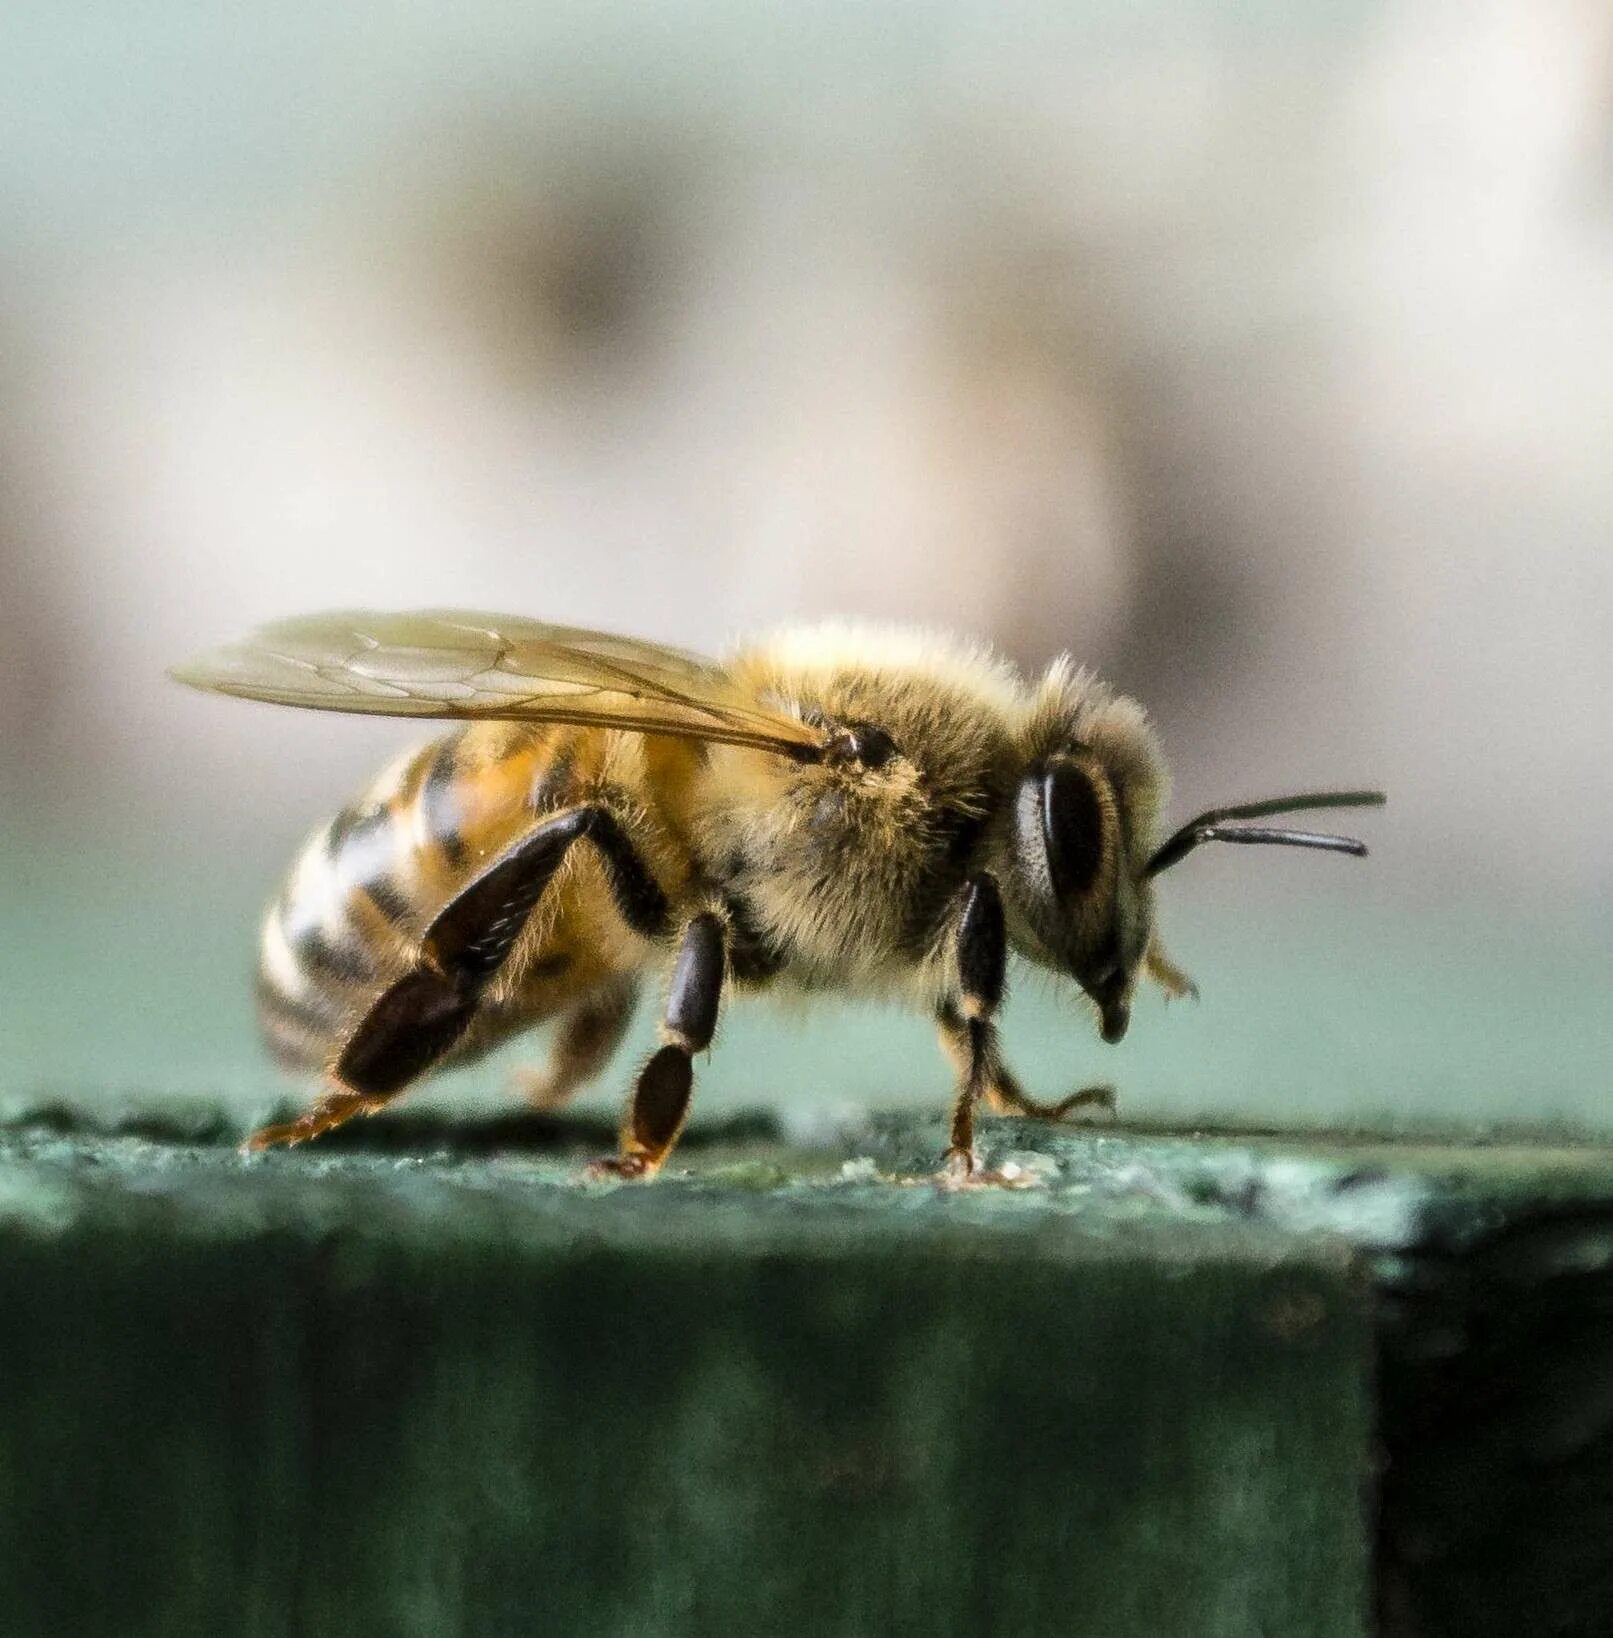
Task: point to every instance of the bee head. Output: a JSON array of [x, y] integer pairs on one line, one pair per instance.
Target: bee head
[[1090, 783], [1074, 882], [1083, 853]]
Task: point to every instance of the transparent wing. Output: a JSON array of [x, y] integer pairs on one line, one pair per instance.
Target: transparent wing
[[448, 663]]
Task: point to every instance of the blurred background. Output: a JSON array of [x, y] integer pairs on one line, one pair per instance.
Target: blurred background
[[1261, 356]]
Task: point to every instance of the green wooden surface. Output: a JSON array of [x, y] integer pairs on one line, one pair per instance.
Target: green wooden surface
[[439, 1387], [423, 1378]]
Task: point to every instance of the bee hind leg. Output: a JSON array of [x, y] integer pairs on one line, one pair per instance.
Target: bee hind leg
[[585, 1038], [415, 1022], [659, 1106], [330, 1112], [411, 1025]]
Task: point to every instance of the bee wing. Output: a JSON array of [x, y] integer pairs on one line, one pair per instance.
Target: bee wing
[[449, 663]]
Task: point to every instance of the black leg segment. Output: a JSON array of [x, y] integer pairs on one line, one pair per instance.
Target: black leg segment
[[471, 937], [660, 1100], [982, 947], [637, 893], [475, 931], [691, 1008], [426, 1012], [982, 956], [414, 1023]]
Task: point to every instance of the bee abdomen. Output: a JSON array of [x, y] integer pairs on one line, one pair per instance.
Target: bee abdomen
[[364, 888], [328, 936], [298, 1030]]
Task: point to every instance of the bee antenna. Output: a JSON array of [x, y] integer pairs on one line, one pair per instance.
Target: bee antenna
[[1214, 826]]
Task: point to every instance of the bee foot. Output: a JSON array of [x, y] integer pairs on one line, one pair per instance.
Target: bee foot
[[1012, 1101], [961, 1169], [271, 1137], [325, 1116], [958, 1165], [624, 1167]]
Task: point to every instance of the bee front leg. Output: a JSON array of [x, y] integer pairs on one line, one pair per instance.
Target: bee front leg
[[1008, 1097], [1165, 973], [1001, 1090], [660, 1103], [969, 1035], [982, 960]]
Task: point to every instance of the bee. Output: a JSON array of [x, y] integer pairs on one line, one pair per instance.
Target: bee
[[838, 809]]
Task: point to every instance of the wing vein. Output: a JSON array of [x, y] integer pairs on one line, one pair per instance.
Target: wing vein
[[450, 664]]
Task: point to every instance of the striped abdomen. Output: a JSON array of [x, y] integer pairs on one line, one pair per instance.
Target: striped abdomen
[[365, 887]]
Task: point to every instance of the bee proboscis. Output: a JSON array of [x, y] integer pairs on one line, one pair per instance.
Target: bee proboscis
[[836, 809]]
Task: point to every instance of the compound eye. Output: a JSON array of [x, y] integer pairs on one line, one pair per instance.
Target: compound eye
[[1072, 828]]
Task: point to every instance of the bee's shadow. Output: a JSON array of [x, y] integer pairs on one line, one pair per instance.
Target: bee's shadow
[[394, 1132]]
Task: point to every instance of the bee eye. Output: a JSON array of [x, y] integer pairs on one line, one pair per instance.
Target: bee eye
[[1072, 828]]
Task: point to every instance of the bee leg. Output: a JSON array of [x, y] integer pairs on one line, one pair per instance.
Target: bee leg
[[426, 1013], [1165, 973], [982, 957], [660, 1102], [958, 1044], [1001, 1092], [1007, 1097], [330, 1112], [411, 1025], [585, 1038]]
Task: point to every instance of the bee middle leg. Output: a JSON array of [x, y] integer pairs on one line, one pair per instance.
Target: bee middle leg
[[659, 1105]]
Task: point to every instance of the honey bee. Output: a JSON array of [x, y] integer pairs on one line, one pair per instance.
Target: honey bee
[[864, 811]]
